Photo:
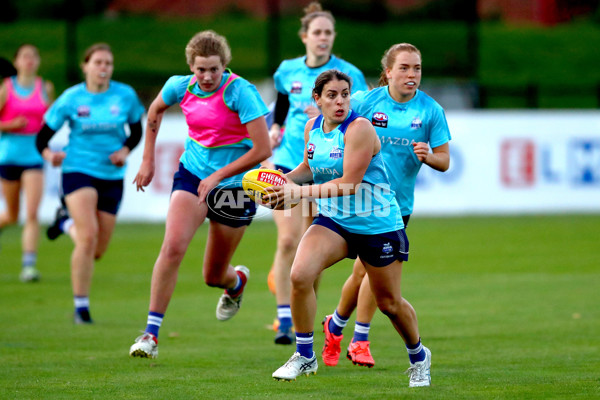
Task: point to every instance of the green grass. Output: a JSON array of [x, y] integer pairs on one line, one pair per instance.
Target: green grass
[[508, 305]]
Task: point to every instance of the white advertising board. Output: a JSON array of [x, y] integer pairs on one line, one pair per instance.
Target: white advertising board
[[516, 162], [501, 163]]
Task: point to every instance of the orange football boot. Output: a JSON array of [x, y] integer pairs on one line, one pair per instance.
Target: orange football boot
[[331, 348], [359, 354]]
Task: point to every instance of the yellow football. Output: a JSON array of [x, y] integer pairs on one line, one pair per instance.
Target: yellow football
[[256, 181]]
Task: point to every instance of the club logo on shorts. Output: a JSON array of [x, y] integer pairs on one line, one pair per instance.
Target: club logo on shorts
[[380, 119], [311, 151], [416, 123], [387, 248], [296, 87], [83, 111]]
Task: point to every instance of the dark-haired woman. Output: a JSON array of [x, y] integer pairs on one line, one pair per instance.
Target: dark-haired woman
[[358, 216]]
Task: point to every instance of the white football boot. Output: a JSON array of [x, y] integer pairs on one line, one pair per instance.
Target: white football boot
[[228, 306], [420, 372], [296, 366], [145, 346]]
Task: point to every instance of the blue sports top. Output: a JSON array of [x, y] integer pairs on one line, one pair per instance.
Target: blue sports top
[[295, 79], [241, 97], [373, 209], [19, 150], [97, 123], [398, 125]]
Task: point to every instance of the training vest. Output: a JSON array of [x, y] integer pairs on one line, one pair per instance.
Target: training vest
[[211, 123], [31, 107]]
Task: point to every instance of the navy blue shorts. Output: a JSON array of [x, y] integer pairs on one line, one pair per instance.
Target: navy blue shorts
[[110, 192], [227, 206], [377, 250], [14, 172]]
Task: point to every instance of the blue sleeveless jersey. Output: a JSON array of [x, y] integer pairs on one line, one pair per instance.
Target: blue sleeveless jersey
[[97, 123], [398, 125], [295, 79], [373, 209]]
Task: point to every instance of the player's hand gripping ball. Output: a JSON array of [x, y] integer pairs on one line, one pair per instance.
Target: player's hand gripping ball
[[256, 181]]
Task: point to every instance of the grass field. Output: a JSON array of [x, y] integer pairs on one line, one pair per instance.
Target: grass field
[[508, 305]]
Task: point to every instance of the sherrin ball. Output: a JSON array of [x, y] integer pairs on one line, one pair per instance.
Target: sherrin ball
[[256, 181]]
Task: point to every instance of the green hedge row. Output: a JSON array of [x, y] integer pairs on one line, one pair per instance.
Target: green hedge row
[[562, 62]]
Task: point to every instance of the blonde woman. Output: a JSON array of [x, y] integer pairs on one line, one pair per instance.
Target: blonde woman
[[227, 136]]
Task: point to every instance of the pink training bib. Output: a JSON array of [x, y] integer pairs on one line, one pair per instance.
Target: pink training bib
[[211, 123], [31, 107]]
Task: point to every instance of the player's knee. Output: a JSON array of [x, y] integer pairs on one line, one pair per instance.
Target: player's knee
[[173, 252], [287, 244], [87, 239], [358, 274], [390, 306], [301, 280]]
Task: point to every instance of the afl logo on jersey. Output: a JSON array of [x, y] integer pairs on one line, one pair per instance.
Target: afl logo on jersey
[[296, 87], [310, 151], [379, 119], [83, 111]]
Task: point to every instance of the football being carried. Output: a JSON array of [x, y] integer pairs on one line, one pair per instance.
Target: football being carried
[[256, 183]]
